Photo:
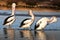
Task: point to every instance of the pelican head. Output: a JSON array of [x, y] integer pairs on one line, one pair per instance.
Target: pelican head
[[30, 12], [13, 8], [13, 4], [53, 19]]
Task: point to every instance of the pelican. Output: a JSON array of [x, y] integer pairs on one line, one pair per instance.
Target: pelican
[[26, 23], [43, 22], [9, 20]]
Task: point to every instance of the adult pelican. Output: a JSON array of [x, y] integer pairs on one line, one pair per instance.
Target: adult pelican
[[43, 22], [9, 20], [26, 23]]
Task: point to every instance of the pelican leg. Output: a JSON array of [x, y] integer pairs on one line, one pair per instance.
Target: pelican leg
[[30, 28], [25, 29], [9, 27], [4, 27], [42, 29]]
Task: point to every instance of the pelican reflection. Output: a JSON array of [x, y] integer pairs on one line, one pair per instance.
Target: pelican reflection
[[40, 35], [26, 34], [9, 33]]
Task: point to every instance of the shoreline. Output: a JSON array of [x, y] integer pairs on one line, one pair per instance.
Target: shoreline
[[34, 9]]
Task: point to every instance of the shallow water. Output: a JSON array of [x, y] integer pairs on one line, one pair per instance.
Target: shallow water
[[21, 15], [11, 34], [15, 34]]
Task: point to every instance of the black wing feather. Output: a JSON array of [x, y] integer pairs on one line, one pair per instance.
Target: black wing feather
[[22, 23], [5, 21], [36, 26]]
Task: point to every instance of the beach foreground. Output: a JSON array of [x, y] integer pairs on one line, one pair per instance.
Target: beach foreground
[[11, 34]]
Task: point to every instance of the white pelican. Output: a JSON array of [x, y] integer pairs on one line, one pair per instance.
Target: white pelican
[[9, 20], [43, 22], [26, 23]]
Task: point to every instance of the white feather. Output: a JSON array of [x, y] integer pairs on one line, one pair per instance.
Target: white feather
[[27, 25], [42, 19], [27, 21], [42, 25], [10, 22], [9, 19]]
